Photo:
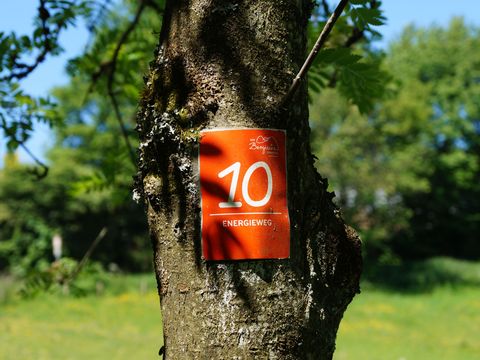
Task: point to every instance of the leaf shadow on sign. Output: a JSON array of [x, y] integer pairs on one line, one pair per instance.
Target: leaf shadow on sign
[[221, 239], [214, 189], [223, 242], [210, 187], [209, 149]]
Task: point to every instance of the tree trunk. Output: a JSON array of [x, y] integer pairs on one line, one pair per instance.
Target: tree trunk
[[227, 64]]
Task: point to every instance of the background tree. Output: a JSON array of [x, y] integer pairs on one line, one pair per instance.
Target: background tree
[[406, 173], [446, 72]]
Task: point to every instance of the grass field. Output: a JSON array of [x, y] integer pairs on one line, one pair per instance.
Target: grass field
[[443, 324], [429, 317], [119, 326]]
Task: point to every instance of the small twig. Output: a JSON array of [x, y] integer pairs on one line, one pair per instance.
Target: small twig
[[316, 48], [111, 78], [354, 37], [121, 123], [87, 255], [40, 175], [45, 168], [110, 68], [96, 20], [123, 39], [326, 9], [12, 135]]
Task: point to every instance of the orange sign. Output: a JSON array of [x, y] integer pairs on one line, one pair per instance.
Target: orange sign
[[243, 184]]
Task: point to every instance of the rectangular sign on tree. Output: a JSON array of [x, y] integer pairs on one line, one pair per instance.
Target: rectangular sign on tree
[[243, 187]]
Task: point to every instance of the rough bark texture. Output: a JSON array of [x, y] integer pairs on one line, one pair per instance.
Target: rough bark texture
[[228, 64]]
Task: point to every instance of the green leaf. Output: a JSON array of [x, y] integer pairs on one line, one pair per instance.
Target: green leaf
[[363, 17], [337, 56]]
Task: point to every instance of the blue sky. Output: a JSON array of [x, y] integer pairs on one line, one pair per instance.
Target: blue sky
[[17, 16], [423, 13]]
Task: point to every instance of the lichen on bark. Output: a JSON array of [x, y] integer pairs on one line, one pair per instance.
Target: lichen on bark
[[228, 64]]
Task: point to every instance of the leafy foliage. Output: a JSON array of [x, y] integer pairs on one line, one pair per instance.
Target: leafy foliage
[[363, 82], [446, 220], [348, 63], [58, 277], [92, 127], [365, 171], [19, 111], [397, 134], [20, 55], [89, 185], [406, 173], [365, 17], [32, 211]]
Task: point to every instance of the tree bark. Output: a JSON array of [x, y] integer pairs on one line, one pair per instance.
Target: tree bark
[[228, 64]]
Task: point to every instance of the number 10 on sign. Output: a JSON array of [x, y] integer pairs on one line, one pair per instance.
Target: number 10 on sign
[[235, 168], [244, 194]]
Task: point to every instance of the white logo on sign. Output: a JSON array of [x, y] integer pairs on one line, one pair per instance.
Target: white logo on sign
[[268, 145]]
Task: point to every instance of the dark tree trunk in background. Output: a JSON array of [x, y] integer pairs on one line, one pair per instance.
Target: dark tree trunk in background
[[227, 64]]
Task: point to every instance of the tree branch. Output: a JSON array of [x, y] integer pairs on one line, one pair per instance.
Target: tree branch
[[45, 168], [122, 41], [39, 174], [87, 255], [314, 52], [96, 20], [111, 78], [27, 69], [121, 123], [326, 9], [110, 67], [354, 37]]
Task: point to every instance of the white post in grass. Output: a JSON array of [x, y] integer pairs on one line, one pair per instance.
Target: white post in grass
[[57, 246]]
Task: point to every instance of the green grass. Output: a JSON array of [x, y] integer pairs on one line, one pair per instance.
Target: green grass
[[112, 326], [416, 310], [409, 312], [384, 325]]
